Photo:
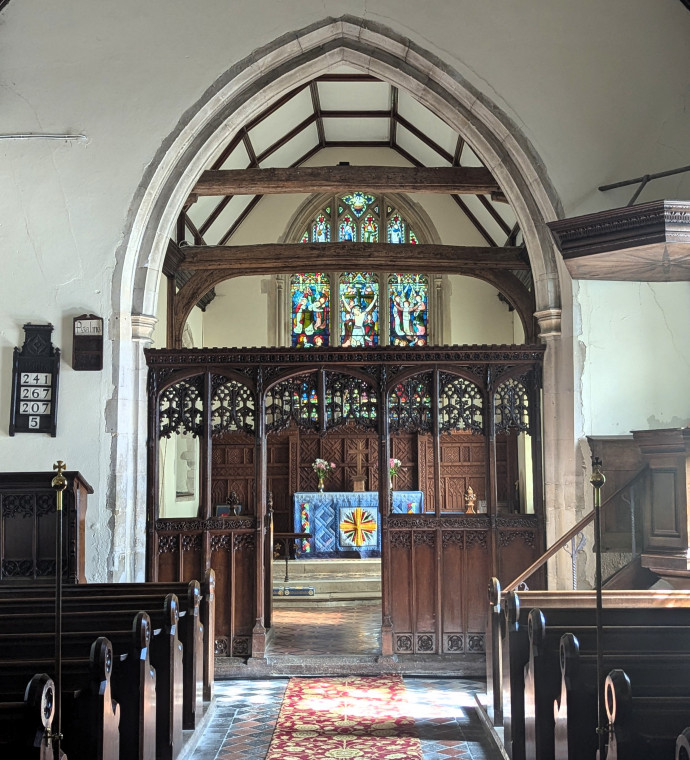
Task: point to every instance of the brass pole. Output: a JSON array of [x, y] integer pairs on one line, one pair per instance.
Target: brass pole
[[597, 480], [59, 483]]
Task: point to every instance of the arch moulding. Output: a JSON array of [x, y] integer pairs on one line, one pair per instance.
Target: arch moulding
[[245, 90]]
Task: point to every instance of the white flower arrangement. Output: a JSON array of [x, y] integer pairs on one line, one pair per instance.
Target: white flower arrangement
[[394, 466]]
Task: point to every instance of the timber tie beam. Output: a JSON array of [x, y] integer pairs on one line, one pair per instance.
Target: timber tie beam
[[460, 180], [272, 257]]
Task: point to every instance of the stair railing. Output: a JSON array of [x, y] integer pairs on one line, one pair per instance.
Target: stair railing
[[571, 535]]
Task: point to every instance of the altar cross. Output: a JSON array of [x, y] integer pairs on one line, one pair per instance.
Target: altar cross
[[360, 451]]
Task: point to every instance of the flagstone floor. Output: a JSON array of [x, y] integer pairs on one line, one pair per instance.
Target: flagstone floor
[[445, 720]]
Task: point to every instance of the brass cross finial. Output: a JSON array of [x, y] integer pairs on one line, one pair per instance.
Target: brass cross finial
[[59, 481]]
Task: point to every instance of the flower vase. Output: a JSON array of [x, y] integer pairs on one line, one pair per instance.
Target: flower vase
[[322, 480]]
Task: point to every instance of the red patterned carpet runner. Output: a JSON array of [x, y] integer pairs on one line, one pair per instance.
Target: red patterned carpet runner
[[363, 718]]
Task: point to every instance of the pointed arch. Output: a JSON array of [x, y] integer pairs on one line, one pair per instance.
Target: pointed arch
[[225, 108]]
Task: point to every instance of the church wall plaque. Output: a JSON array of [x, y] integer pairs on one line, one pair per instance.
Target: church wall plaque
[[35, 372]]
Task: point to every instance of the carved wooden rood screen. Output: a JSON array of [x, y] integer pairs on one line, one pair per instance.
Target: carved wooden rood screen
[[247, 424]]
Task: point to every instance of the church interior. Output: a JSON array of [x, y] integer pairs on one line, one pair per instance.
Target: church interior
[[343, 353]]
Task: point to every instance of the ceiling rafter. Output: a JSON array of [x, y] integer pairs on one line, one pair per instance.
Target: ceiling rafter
[[318, 117], [316, 105], [393, 126], [500, 221], [424, 138]]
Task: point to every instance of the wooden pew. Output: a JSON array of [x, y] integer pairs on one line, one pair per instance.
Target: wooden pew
[[642, 726], [98, 614], [26, 720], [573, 727], [166, 655], [90, 716], [622, 608], [140, 596], [132, 681]]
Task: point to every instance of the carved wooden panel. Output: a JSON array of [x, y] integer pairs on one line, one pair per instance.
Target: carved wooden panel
[[463, 464], [234, 469]]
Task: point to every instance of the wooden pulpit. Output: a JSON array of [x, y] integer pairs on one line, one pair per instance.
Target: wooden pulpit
[[666, 543], [27, 527]]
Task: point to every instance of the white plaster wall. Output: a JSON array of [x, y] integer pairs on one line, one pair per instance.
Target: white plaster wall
[[476, 314], [238, 316], [599, 89], [634, 340]]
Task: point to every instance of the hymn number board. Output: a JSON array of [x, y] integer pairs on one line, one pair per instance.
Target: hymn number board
[[35, 383]]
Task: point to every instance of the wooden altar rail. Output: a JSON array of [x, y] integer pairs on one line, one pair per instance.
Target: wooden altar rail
[[634, 620]]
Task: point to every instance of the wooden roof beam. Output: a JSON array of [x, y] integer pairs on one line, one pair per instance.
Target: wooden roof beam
[[283, 257], [463, 180]]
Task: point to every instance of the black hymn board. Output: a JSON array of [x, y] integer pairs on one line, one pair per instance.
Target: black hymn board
[[35, 383]]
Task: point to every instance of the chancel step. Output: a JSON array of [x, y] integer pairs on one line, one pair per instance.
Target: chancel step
[[333, 581]]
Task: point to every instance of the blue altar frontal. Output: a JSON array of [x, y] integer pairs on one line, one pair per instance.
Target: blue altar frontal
[[344, 523]]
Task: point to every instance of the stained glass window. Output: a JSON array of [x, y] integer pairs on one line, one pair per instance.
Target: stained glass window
[[370, 230], [358, 202], [359, 309], [408, 296], [347, 231], [321, 229], [310, 299], [358, 216], [396, 229]]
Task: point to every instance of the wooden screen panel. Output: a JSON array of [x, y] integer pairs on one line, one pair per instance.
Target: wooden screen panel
[[233, 469], [243, 593], [463, 463], [425, 587], [169, 558], [520, 543], [475, 583], [400, 585], [453, 582], [192, 564], [221, 562]]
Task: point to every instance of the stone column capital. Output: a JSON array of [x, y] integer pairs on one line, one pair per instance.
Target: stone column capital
[[549, 322], [142, 327]]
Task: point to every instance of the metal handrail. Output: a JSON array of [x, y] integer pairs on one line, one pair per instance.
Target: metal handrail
[[563, 540]]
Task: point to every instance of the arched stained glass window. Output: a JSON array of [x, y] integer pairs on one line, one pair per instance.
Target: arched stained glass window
[[310, 299], [370, 230], [321, 227], [358, 216], [359, 309], [396, 228], [408, 296], [347, 232]]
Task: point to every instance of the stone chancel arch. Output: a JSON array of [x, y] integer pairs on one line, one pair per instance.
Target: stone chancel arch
[[266, 76]]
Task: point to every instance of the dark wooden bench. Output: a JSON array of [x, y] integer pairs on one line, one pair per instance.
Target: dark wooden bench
[[146, 596], [131, 677], [572, 609], [642, 726], [26, 720], [561, 714], [98, 614], [90, 716], [34, 631]]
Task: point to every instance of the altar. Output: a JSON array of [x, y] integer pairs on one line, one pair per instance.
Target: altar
[[345, 523]]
